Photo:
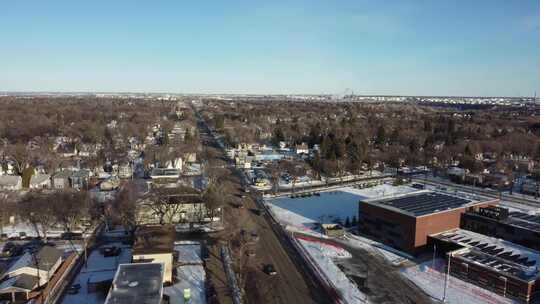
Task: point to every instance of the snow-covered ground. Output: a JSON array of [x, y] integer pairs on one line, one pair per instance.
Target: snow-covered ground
[[390, 254], [189, 252], [206, 227], [190, 277], [432, 281], [324, 254], [98, 269], [22, 229], [191, 274], [301, 213]]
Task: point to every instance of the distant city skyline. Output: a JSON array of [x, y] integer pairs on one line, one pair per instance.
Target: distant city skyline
[[410, 48]]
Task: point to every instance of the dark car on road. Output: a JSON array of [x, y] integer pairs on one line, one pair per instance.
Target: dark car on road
[[269, 269]]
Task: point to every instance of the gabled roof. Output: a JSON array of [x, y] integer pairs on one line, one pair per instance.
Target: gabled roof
[[45, 259], [62, 174], [23, 282], [39, 178]]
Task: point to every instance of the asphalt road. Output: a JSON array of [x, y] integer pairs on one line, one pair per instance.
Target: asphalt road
[[292, 284]]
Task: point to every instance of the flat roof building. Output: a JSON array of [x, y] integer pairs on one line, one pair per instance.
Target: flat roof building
[[405, 221], [155, 244], [503, 267], [137, 283], [514, 226]]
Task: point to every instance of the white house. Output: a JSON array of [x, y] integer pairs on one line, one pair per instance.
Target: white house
[[29, 272], [10, 182], [302, 149], [40, 181]]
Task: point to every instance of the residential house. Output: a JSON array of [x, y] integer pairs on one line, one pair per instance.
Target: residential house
[[302, 149], [10, 182], [174, 164], [182, 208], [164, 173], [60, 180], [125, 170], [40, 181], [29, 272], [79, 179], [67, 150]]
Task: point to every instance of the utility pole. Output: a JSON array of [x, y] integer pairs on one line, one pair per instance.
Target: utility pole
[[447, 279]]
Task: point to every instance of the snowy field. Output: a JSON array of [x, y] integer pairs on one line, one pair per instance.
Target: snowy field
[[191, 274], [459, 292], [98, 269], [301, 213], [323, 255]]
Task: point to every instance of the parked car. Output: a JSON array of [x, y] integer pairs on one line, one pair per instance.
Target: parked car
[[74, 289], [11, 249], [110, 251], [269, 269]]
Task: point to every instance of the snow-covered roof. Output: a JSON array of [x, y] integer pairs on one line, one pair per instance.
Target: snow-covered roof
[[497, 254], [9, 180], [38, 179], [45, 259], [24, 282], [24, 261], [424, 202], [137, 283]]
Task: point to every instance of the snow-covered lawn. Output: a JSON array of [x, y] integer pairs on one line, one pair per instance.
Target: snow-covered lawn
[[98, 269], [459, 292], [191, 274], [323, 254], [301, 213]]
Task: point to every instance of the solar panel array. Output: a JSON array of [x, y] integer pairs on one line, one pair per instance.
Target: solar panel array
[[426, 203], [525, 220], [494, 256]]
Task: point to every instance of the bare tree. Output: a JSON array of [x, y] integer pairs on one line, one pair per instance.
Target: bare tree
[[36, 209], [69, 208], [124, 207]]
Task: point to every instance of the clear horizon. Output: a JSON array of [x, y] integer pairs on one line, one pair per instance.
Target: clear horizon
[[413, 48]]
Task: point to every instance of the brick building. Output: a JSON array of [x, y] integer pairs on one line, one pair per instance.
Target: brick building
[[404, 222], [505, 268], [514, 226]]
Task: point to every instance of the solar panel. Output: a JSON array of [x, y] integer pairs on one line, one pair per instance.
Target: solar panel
[[426, 203]]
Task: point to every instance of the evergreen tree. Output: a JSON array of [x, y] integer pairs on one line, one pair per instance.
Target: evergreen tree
[[347, 222], [381, 136]]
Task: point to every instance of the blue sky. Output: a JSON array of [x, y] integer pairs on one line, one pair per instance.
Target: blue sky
[[372, 47]]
